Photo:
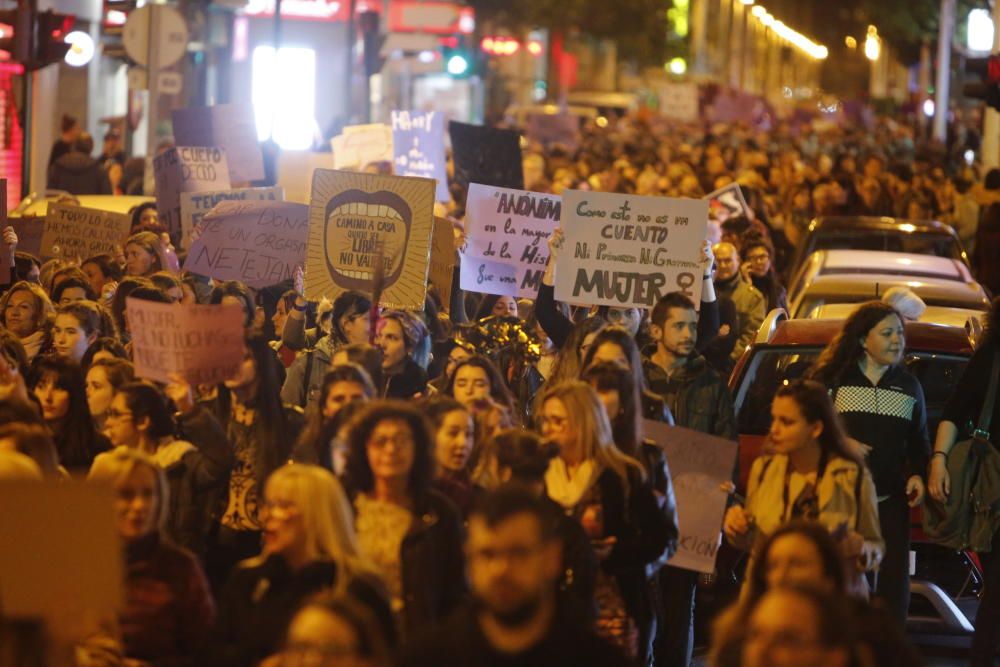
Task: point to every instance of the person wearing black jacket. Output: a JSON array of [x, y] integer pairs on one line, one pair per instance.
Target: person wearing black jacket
[[882, 406], [405, 345]]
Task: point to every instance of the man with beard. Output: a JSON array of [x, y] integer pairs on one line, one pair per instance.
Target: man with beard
[[699, 399], [514, 561]]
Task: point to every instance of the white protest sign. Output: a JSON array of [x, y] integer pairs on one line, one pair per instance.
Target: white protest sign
[[699, 464], [359, 145], [506, 234], [418, 148], [72, 232], [186, 169], [256, 242], [626, 250], [203, 343], [727, 202], [194, 205], [679, 101]]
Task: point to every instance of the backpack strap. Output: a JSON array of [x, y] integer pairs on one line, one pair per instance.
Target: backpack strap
[[986, 413]]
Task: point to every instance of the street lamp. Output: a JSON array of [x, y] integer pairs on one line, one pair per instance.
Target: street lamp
[[873, 45]]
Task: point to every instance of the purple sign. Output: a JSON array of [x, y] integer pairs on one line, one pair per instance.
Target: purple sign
[[418, 148]]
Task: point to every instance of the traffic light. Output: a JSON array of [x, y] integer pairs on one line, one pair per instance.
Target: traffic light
[[116, 13], [16, 41], [459, 61], [38, 37], [51, 46], [989, 89]]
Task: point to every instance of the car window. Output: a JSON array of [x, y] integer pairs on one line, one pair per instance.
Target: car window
[[939, 245], [769, 368]]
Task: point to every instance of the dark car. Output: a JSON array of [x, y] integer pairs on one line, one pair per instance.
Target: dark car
[[921, 237]]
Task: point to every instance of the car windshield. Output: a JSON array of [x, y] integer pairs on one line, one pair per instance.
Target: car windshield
[[770, 367], [811, 302], [940, 245]]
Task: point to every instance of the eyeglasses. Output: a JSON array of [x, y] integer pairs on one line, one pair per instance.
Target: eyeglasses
[[761, 257]]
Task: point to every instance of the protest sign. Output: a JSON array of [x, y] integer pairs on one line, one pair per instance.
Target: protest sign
[[61, 557], [486, 155], [418, 148], [295, 172], [553, 128], [5, 259], [29, 234], [440, 272], [186, 169], [357, 219], [679, 101], [727, 202], [506, 234], [625, 250], [256, 242], [194, 205], [202, 343], [699, 465], [360, 145], [72, 232], [230, 127]]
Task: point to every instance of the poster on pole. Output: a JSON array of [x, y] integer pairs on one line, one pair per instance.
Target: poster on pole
[[626, 250], [357, 219], [679, 101], [194, 205], [202, 343], [230, 127], [486, 155], [727, 202], [186, 169], [440, 272], [418, 148], [74, 232], [506, 240], [551, 129], [256, 242], [360, 145], [699, 465]]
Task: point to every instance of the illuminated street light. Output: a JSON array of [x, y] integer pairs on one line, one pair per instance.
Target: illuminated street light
[[929, 108], [850, 42], [758, 11], [873, 45], [980, 30], [677, 66], [747, 2], [767, 20], [81, 50]]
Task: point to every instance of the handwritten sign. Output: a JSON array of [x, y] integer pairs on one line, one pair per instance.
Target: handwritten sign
[[29, 234], [186, 169], [74, 231], [203, 343], [486, 155], [440, 272], [699, 464], [256, 242], [418, 147], [295, 172], [727, 202], [626, 250], [360, 145], [679, 101], [355, 219], [230, 127], [548, 129], [194, 205], [506, 246]]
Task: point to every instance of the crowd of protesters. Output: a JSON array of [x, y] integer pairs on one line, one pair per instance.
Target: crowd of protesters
[[471, 484]]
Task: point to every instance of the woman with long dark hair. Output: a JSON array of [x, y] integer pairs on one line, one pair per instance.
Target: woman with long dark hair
[[58, 385], [616, 344], [812, 473], [758, 253], [882, 405], [343, 385], [478, 378], [104, 377], [454, 440]]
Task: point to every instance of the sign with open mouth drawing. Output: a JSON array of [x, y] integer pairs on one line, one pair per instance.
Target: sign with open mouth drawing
[[357, 220]]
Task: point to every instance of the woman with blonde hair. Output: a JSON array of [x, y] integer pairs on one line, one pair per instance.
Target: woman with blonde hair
[[145, 255], [309, 546], [25, 311], [168, 607], [607, 491]]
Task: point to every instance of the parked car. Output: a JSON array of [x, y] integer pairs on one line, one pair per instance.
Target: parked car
[[919, 237], [972, 320], [936, 354], [855, 288]]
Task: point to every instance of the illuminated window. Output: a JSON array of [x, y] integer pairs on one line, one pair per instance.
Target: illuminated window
[[284, 96]]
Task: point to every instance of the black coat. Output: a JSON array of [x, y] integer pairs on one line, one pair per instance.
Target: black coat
[[79, 174], [412, 381]]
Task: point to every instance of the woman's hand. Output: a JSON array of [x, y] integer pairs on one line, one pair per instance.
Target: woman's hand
[[915, 489], [938, 479], [737, 522], [707, 258], [555, 242], [10, 240], [179, 391]]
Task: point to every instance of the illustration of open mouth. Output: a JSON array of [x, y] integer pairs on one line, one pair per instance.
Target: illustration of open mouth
[[357, 223]]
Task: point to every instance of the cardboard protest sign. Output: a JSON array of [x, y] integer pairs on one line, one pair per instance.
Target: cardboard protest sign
[[727, 202], [356, 219], [29, 234], [625, 250], [486, 155], [699, 464], [61, 555], [186, 169], [679, 101], [418, 148], [556, 128], [203, 343], [194, 205], [440, 272], [256, 242], [295, 172], [72, 232], [230, 127], [5, 260], [506, 234], [360, 145]]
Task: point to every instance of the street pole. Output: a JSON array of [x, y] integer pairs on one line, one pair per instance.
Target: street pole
[[30, 7], [945, 30], [351, 60], [153, 85], [990, 151]]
